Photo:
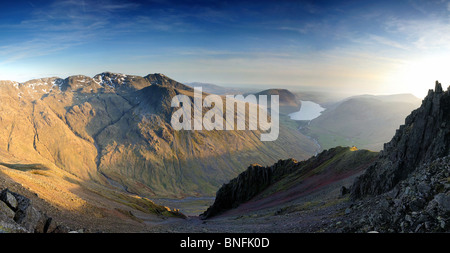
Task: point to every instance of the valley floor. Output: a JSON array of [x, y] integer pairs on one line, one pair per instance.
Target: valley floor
[[322, 211], [325, 219]]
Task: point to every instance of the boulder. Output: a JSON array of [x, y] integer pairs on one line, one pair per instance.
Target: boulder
[[443, 201], [344, 191], [20, 211], [5, 210], [9, 199]]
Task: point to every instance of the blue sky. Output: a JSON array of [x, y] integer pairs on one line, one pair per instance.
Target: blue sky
[[343, 46]]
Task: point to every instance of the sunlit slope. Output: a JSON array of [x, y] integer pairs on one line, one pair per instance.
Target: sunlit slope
[[182, 163], [114, 130]]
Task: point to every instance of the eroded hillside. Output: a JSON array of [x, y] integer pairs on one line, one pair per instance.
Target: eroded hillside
[[111, 135]]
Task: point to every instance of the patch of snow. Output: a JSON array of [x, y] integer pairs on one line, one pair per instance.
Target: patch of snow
[[58, 82]]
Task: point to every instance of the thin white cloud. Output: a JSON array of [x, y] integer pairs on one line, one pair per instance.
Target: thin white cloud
[[36, 47], [383, 40], [304, 29], [423, 34], [62, 25]]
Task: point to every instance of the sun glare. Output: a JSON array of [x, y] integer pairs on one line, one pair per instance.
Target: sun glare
[[418, 76]]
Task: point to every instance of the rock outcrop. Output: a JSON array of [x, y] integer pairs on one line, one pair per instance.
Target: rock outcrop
[[18, 215], [408, 189], [420, 203], [424, 137], [247, 185]]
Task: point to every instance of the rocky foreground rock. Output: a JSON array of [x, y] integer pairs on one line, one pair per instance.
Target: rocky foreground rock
[[18, 215], [420, 203]]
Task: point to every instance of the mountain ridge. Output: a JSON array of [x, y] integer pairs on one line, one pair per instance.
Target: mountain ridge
[[288, 179], [366, 121], [118, 126]]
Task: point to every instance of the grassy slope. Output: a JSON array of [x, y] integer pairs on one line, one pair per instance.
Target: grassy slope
[[329, 166], [289, 180]]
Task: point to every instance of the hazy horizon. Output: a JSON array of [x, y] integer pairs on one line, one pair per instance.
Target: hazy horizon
[[358, 47], [260, 87]]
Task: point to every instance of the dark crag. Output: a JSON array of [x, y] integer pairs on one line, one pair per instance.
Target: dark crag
[[424, 137]]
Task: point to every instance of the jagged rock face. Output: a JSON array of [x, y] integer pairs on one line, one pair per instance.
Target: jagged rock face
[[420, 203], [118, 126], [424, 137]]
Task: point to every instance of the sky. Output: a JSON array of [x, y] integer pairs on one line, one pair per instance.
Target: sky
[[373, 47]]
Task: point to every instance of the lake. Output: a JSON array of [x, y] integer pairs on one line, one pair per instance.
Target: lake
[[308, 111]]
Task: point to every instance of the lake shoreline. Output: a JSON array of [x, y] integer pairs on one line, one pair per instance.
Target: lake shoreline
[[308, 111]]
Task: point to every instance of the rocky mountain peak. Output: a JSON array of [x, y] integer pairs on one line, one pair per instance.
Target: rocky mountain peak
[[111, 80], [438, 87], [105, 80], [424, 137], [160, 79]]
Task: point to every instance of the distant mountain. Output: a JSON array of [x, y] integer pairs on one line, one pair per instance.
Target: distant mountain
[[220, 90], [288, 101], [366, 121], [286, 98], [325, 99]]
